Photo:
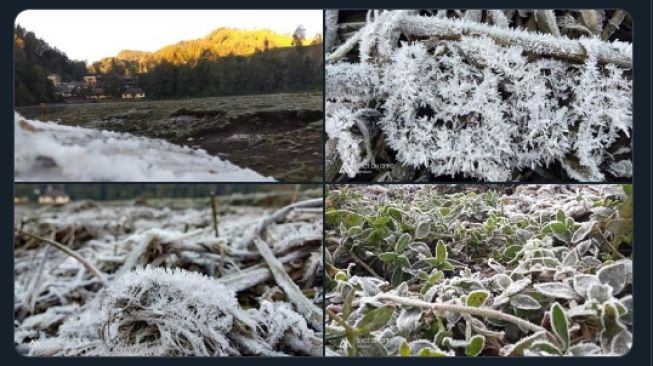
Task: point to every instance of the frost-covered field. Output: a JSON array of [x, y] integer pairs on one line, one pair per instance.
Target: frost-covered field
[[472, 270], [251, 131], [138, 279], [489, 95], [47, 151]]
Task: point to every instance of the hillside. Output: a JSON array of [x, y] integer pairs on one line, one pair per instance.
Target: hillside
[[221, 42]]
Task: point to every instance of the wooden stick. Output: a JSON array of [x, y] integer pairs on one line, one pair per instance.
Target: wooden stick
[[618, 53], [311, 313], [88, 265], [462, 309]]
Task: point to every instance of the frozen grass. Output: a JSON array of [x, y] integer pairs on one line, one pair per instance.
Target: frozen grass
[[167, 285]]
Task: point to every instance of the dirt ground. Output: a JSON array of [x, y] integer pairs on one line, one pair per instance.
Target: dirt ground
[[279, 135]]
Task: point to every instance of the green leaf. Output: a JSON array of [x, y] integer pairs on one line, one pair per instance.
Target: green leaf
[[335, 217], [426, 287], [423, 275], [355, 230], [446, 266], [353, 219], [560, 324], [441, 251], [397, 277], [340, 276], [560, 216], [403, 261], [475, 346], [440, 335], [388, 257], [375, 319], [476, 236], [433, 262], [511, 252], [546, 229], [430, 352], [376, 236], [423, 230], [404, 349], [394, 213], [403, 242], [559, 227], [477, 298], [508, 230], [436, 276], [444, 211], [381, 221]]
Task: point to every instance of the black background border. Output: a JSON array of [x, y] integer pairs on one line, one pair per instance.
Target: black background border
[[640, 354]]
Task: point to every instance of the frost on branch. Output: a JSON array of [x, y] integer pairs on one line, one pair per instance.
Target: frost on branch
[[461, 98]]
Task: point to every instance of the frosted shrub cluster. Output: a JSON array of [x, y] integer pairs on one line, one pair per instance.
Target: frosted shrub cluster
[[472, 99], [472, 270]]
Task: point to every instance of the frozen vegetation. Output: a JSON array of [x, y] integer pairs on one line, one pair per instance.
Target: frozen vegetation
[[162, 278], [487, 95], [472, 270], [47, 151]]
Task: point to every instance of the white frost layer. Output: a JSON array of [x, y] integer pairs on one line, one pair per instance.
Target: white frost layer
[[53, 152]]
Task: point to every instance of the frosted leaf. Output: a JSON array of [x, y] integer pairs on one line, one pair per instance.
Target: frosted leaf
[[599, 293], [525, 302], [613, 275], [556, 290], [582, 283]]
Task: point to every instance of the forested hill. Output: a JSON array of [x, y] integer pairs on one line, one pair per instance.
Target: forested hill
[[226, 62], [35, 59], [219, 43]]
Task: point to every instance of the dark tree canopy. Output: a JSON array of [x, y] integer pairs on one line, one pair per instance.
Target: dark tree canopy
[[34, 60]]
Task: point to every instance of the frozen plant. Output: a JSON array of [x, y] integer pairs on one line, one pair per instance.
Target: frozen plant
[[483, 101], [479, 270]]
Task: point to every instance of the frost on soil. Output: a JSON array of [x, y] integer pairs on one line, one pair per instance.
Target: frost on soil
[[479, 270], [47, 151], [173, 287], [448, 95]]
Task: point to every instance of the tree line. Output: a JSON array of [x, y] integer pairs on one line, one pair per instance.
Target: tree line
[[276, 70], [226, 62]]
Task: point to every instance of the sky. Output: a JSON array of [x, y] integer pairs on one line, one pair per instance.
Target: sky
[[90, 35]]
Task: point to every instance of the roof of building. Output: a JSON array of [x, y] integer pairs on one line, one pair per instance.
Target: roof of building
[[133, 91], [65, 88]]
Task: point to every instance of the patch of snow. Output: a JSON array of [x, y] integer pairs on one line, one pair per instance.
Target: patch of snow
[[47, 151]]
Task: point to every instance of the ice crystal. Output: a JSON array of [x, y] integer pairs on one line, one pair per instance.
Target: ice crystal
[[472, 100]]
